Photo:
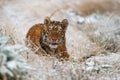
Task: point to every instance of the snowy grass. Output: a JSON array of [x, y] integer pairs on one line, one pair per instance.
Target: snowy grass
[[105, 33], [93, 45], [12, 64]]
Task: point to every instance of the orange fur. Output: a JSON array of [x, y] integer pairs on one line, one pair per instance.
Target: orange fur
[[43, 38]]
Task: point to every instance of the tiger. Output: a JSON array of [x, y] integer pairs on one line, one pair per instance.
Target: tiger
[[49, 38]]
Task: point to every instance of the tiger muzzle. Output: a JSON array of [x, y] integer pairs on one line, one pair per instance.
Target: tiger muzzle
[[53, 42]]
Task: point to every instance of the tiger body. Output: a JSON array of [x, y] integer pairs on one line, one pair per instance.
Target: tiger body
[[49, 38]]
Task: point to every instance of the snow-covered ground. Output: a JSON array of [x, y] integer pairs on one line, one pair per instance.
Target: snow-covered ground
[[98, 35]]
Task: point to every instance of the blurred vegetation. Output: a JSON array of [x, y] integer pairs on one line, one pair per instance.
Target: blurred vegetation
[[12, 64]]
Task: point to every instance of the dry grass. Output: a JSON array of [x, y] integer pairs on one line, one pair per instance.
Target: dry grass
[[102, 6], [83, 41], [104, 33]]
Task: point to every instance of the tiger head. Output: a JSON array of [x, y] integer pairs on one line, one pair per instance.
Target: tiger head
[[54, 32]]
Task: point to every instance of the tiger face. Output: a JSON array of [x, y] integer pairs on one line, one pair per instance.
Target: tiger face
[[54, 32]]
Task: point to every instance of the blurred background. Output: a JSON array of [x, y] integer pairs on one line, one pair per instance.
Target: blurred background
[[93, 37]]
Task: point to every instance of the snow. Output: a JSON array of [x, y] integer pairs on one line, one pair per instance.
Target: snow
[[16, 17]]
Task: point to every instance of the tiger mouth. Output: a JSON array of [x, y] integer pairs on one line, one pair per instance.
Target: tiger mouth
[[53, 43]]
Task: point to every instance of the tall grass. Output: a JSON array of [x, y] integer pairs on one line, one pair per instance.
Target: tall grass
[[104, 33]]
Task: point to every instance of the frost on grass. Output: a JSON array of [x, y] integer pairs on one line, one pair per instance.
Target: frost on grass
[[104, 31], [12, 64], [85, 36]]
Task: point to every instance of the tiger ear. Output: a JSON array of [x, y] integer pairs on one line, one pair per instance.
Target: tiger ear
[[65, 24], [47, 21]]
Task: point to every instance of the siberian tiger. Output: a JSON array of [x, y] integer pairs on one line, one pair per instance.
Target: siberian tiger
[[49, 38]]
